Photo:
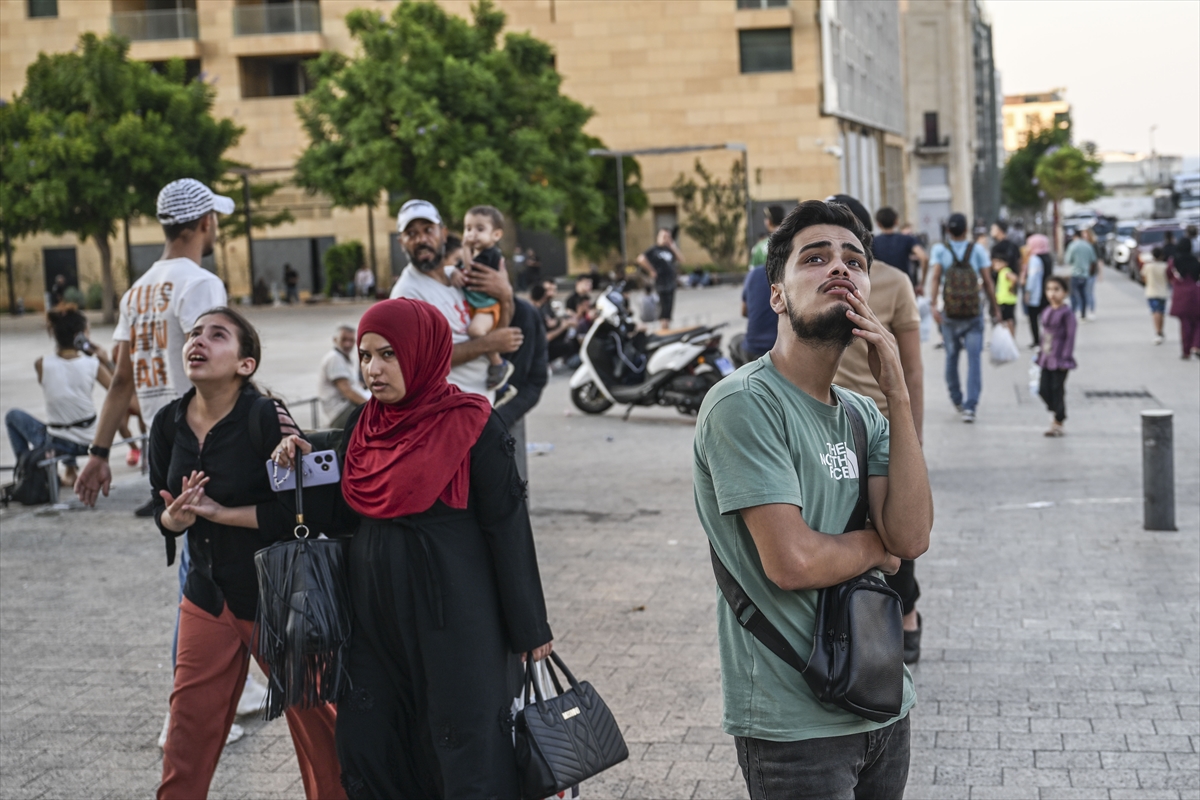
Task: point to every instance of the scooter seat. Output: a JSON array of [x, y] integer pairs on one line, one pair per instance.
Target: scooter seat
[[655, 341]]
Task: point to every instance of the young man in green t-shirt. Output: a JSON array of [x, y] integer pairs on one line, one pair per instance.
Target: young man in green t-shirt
[[775, 478]]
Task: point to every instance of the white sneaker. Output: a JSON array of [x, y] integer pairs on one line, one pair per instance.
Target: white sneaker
[[235, 732], [968, 415], [1158, 339], [254, 697]]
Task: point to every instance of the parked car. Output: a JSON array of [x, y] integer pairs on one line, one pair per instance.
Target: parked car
[[1121, 246], [1151, 234]]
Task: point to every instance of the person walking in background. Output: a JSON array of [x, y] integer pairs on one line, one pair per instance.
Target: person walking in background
[[364, 282], [291, 281], [58, 290], [1089, 236], [558, 331], [1154, 273], [339, 384], [894, 303], [761, 321], [1184, 273], [662, 262], [1057, 355], [66, 377], [155, 316], [1005, 264], [1081, 258], [208, 479], [964, 266], [1037, 267], [901, 250]]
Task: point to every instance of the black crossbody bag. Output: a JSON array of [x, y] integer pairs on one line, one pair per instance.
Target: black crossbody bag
[[857, 660]]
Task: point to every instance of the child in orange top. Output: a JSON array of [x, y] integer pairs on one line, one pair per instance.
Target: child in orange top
[[483, 227]]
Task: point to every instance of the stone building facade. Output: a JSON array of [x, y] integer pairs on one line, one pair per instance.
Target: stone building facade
[[810, 89]]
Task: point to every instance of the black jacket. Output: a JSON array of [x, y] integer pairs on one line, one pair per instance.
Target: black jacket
[[530, 365]]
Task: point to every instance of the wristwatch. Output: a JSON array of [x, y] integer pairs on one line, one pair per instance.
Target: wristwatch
[[98, 452]]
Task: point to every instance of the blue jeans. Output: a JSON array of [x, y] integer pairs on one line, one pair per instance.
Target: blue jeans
[[185, 563], [1091, 293], [1079, 293], [858, 766], [960, 334], [27, 432]]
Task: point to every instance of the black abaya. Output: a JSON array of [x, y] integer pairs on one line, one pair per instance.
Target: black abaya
[[444, 603]]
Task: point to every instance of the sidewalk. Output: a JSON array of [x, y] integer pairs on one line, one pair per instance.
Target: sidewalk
[[1060, 654]]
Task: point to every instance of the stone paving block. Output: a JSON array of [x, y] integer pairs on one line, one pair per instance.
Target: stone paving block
[[968, 776], [707, 771], [1184, 761], [1065, 793], [1176, 727], [1143, 794], [658, 790], [1142, 760], [1094, 741], [1104, 778], [1183, 780], [1060, 725], [671, 751], [1016, 792], [949, 740], [722, 790], [1066, 759], [1000, 724], [1178, 744], [1109, 725], [1023, 776], [1031, 741], [918, 791]]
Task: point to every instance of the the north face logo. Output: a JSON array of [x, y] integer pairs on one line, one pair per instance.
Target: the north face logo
[[841, 460]]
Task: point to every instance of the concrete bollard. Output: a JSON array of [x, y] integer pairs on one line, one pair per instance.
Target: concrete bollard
[[1158, 470]]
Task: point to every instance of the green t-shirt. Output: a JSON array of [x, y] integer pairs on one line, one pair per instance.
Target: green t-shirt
[[761, 440], [1080, 255], [758, 256]]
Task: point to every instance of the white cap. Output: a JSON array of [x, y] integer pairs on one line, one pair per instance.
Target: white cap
[[417, 209], [187, 199]]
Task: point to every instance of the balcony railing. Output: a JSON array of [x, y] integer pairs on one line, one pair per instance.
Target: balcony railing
[[299, 16], [171, 23]]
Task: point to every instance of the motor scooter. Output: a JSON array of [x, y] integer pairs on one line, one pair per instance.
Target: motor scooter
[[622, 365]]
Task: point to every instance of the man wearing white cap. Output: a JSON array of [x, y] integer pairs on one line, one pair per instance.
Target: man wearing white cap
[[156, 314], [423, 237]]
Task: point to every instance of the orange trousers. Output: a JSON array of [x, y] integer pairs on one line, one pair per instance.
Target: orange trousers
[[210, 671]]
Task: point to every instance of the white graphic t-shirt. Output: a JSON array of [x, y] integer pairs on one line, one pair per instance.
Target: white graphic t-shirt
[[156, 314], [415, 285]]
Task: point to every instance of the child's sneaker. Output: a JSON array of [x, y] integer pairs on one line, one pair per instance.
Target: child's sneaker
[[133, 457], [504, 394], [498, 374]]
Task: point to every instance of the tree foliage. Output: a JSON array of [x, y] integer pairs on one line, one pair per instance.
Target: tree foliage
[[1018, 187], [94, 136], [342, 260], [1068, 173], [714, 211], [433, 107], [597, 237]]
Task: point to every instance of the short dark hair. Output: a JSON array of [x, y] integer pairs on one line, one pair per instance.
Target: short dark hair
[[65, 322], [1078, 233], [957, 224], [1157, 252], [1061, 281], [1002, 225], [775, 214], [173, 232], [886, 217], [491, 212], [452, 242], [537, 292], [805, 215]]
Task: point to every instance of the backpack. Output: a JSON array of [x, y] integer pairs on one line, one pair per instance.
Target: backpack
[[31, 483], [960, 297]]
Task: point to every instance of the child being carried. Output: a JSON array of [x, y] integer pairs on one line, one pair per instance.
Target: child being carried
[[483, 227]]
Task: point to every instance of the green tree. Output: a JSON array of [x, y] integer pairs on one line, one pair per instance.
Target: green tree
[[432, 107], [233, 226], [341, 262], [1067, 172], [714, 211], [598, 237], [94, 136], [1018, 186]]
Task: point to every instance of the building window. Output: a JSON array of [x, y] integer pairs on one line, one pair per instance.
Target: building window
[[757, 4], [283, 76], [665, 217], [1062, 120], [931, 129], [42, 8], [766, 50]]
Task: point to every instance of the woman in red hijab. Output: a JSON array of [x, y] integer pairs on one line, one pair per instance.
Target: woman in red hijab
[[444, 577]]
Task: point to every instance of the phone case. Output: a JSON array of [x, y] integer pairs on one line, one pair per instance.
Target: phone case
[[320, 468]]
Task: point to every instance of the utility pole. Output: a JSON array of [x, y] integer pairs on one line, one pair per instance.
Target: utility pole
[[249, 225]]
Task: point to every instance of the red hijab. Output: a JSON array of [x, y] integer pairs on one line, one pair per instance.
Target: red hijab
[[404, 457]]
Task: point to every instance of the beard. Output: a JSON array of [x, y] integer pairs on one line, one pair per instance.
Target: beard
[[830, 329], [426, 258]]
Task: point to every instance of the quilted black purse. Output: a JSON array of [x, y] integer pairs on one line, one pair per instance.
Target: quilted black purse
[[562, 741], [857, 660]]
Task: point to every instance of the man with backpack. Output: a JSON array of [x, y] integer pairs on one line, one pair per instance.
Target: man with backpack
[[959, 268]]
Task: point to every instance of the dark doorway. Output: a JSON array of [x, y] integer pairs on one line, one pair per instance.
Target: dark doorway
[[60, 261], [551, 251]]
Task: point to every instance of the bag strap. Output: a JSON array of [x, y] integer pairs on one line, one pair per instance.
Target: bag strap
[[965, 261], [744, 611]]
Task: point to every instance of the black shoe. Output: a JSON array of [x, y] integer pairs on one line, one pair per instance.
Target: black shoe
[[146, 510], [912, 644]]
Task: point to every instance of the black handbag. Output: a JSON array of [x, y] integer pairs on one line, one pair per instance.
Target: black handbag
[[857, 660], [562, 741], [302, 626]]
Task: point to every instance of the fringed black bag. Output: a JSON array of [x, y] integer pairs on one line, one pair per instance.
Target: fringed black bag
[[303, 621]]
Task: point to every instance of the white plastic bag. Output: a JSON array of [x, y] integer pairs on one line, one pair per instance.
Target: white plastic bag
[[926, 313], [1003, 348]]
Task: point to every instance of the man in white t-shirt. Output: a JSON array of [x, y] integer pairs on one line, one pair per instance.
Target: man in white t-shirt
[[156, 314], [338, 384], [423, 237]]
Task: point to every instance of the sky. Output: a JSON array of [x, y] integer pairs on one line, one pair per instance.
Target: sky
[[1125, 64]]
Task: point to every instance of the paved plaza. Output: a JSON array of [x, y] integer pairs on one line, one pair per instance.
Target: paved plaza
[[1061, 653]]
